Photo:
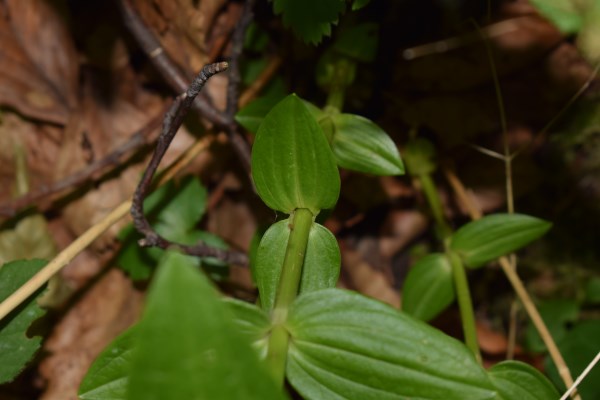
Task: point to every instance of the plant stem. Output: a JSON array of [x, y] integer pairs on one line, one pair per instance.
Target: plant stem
[[343, 75], [465, 305], [433, 198], [289, 282]]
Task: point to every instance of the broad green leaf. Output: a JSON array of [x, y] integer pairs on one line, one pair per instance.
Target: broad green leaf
[[251, 116], [16, 348], [578, 347], [321, 267], [419, 157], [428, 288], [292, 164], [516, 380], [360, 145], [346, 346], [188, 346], [557, 314], [562, 13], [309, 19], [492, 236], [108, 377]]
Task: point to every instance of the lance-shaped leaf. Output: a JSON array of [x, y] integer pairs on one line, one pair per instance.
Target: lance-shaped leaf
[[428, 288], [108, 377], [516, 380], [321, 268], [16, 348], [292, 164], [492, 236], [346, 346], [187, 345], [360, 145]]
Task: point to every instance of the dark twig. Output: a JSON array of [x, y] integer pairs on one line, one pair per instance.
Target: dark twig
[[87, 175], [176, 78], [173, 120]]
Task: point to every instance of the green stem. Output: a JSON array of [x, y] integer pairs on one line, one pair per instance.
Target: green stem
[[433, 198], [465, 305], [289, 282], [343, 75]]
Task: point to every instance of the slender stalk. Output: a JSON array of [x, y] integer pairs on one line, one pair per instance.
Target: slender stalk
[[465, 305], [342, 77], [433, 198], [289, 282]]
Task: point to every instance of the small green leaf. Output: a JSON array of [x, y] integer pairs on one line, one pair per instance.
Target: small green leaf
[[292, 164], [360, 145], [16, 348], [252, 322], [428, 288], [187, 344], [251, 116], [346, 346], [579, 346], [516, 380], [419, 157], [493, 236], [321, 266], [309, 19], [108, 377], [557, 314], [562, 13]]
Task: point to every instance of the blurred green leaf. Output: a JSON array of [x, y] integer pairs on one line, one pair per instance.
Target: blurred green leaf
[[556, 313], [358, 41], [588, 40], [16, 348], [358, 4], [493, 236], [321, 266], [562, 13], [346, 346], [419, 157], [578, 347], [309, 19], [251, 322], [360, 145], [108, 377], [428, 288], [516, 380], [251, 116], [292, 164], [592, 291], [187, 345]]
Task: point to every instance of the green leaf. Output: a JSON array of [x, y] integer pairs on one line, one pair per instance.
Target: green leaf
[[360, 145], [292, 164], [251, 116], [592, 291], [358, 4], [187, 345], [419, 157], [578, 347], [484, 240], [516, 380], [358, 42], [346, 346], [562, 13], [252, 322], [321, 266], [428, 288], [16, 348], [174, 210], [108, 377], [309, 19], [557, 314]]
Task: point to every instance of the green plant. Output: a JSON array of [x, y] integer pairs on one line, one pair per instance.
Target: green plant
[[328, 343]]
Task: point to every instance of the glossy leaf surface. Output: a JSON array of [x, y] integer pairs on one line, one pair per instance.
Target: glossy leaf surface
[[108, 377], [360, 145], [16, 348], [495, 235], [292, 164], [428, 288], [321, 267], [187, 344], [516, 380], [347, 346]]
